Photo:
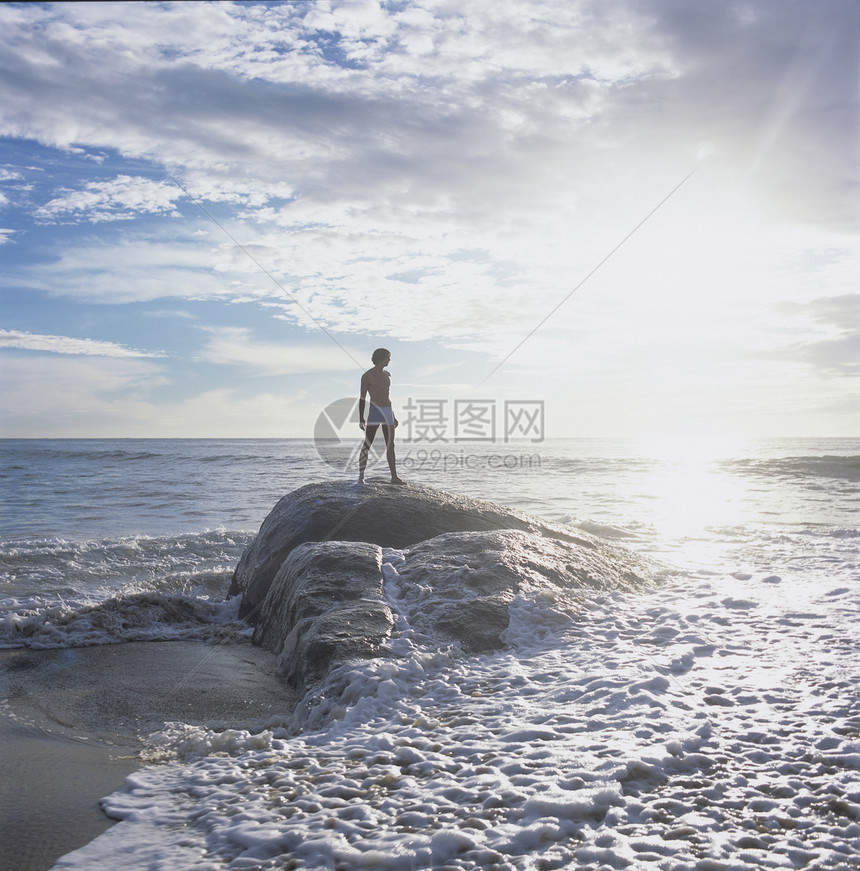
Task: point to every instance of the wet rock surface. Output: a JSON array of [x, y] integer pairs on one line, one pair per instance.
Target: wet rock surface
[[314, 579], [381, 514], [325, 605], [460, 585]]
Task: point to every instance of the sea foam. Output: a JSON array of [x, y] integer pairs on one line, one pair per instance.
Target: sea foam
[[580, 743], [660, 728]]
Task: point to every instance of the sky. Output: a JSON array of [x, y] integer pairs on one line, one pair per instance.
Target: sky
[[640, 214]]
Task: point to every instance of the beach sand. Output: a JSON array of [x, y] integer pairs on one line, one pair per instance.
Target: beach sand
[[73, 721]]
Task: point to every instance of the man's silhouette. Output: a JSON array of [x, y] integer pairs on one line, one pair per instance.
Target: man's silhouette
[[377, 383]]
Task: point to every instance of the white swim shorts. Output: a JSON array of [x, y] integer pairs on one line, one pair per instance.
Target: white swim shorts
[[381, 414]]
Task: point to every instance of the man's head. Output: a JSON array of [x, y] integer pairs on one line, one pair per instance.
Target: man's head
[[380, 355]]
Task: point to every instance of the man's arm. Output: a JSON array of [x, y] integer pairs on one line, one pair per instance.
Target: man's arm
[[362, 391]]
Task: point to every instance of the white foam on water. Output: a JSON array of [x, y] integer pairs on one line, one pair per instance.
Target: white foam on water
[[41, 624], [704, 724], [63, 593], [709, 724]]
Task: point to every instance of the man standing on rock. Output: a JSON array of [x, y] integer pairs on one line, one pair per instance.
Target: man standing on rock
[[377, 383]]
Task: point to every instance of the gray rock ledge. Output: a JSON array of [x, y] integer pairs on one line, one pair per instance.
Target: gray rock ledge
[[312, 579]]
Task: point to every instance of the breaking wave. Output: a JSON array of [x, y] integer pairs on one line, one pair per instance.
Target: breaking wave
[[40, 624], [63, 593], [846, 468]]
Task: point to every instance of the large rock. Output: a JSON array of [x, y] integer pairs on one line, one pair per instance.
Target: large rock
[[320, 602], [459, 586], [325, 605], [386, 515]]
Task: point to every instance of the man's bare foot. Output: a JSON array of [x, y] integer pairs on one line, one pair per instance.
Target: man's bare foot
[[396, 480], [360, 480]]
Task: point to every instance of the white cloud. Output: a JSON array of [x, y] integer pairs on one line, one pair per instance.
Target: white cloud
[[518, 111], [171, 314], [121, 198], [510, 96], [87, 397], [66, 345], [450, 172], [224, 413], [136, 267], [236, 346], [830, 331], [203, 101], [43, 396]]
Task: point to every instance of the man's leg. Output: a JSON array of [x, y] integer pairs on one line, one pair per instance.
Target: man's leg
[[388, 435], [369, 433]]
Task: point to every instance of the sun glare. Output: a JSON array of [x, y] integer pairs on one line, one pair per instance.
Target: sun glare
[[691, 447], [691, 494]]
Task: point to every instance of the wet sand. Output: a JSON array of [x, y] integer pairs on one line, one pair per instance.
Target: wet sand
[[73, 721]]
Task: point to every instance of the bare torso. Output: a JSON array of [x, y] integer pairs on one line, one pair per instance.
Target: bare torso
[[377, 382]]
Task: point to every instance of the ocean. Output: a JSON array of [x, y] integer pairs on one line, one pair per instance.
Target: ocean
[[711, 721]]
